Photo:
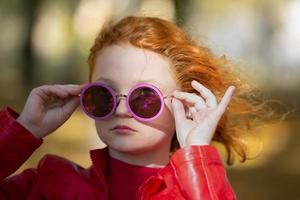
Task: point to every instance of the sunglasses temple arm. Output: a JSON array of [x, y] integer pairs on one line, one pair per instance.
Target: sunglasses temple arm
[[168, 96]]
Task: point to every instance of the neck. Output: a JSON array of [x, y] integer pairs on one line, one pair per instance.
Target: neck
[[154, 158]]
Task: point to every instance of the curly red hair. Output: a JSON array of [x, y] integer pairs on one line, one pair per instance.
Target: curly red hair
[[191, 62]]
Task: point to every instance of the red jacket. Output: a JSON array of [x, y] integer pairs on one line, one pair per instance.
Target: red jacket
[[194, 172]]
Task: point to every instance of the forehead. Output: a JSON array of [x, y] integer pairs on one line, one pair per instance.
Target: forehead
[[126, 65]]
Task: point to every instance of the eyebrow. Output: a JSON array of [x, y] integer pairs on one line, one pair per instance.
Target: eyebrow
[[111, 82], [141, 81]]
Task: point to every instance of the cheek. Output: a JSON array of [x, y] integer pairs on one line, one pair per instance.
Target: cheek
[[165, 122], [168, 112], [161, 128], [102, 128], [169, 115]]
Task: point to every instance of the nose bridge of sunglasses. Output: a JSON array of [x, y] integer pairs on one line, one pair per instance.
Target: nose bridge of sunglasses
[[120, 110], [120, 97]]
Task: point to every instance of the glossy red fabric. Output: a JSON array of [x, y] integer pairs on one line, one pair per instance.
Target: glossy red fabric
[[194, 172]]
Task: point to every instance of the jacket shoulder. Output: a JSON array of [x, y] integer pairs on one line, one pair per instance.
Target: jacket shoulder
[[54, 166], [51, 160], [194, 172], [61, 178]]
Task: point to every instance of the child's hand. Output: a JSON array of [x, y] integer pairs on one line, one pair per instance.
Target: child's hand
[[48, 107], [205, 114]]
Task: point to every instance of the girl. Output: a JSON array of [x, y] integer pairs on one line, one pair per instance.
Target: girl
[[158, 101]]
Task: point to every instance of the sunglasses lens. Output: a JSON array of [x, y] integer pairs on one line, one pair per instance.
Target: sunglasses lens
[[98, 101], [145, 102]]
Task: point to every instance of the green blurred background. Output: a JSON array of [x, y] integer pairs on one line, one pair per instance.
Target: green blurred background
[[48, 41]]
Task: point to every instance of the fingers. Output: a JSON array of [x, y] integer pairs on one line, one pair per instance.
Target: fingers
[[55, 91], [72, 104], [190, 98], [225, 100], [210, 98], [207, 98], [55, 95], [61, 91], [178, 109], [71, 89]]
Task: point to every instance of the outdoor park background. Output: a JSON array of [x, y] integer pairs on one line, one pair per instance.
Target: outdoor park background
[[47, 42]]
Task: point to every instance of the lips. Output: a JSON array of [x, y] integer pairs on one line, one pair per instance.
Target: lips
[[122, 127]]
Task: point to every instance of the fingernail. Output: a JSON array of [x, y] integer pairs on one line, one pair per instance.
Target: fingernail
[[175, 102]]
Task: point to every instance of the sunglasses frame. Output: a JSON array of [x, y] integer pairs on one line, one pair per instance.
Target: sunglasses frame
[[115, 96]]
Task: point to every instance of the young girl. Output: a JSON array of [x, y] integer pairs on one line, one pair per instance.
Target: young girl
[[158, 101]]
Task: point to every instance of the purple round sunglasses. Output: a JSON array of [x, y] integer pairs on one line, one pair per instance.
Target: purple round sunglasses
[[144, 101]]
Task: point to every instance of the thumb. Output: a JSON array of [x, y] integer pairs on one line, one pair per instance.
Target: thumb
[[178, 110], [71, 105]]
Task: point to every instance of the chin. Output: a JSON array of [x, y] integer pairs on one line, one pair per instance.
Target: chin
[[130, 148], [133, 147], [136, 144]]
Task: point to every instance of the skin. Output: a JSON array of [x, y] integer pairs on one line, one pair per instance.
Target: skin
[[150, 144], [49, 106]]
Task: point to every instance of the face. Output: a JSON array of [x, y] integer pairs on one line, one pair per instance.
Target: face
[[122, 66]]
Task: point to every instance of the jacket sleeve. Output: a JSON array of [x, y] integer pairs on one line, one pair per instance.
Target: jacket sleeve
[[200, 174], [16, 146], [193, 173]]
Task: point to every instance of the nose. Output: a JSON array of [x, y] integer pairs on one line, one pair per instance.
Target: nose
[[121, 109]]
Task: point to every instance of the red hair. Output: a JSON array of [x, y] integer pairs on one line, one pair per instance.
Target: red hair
[[190, 62]]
